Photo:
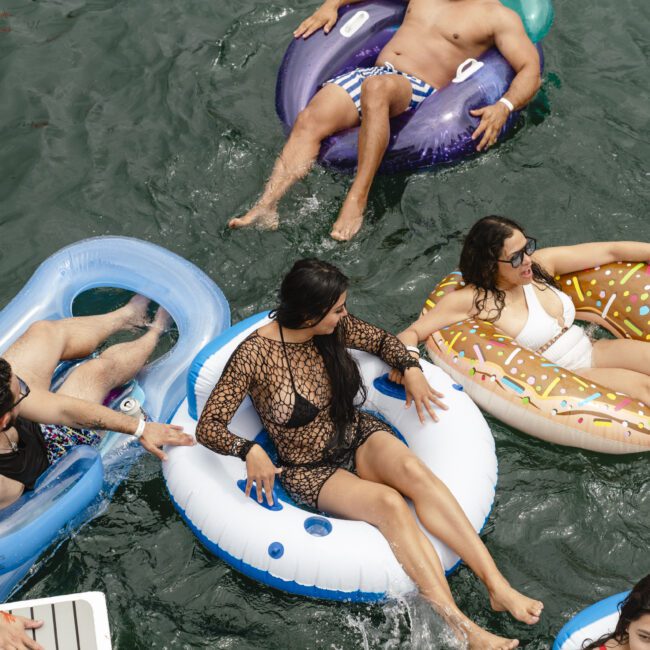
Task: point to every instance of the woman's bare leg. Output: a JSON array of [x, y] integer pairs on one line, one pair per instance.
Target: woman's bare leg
[[35, 355], [116, 365], [622, 365], [349, 496], [331, 110], [385, 459]]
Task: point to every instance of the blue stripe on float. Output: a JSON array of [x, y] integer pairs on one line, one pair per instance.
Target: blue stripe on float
[[208, 350], [587, 616], [511, 384]]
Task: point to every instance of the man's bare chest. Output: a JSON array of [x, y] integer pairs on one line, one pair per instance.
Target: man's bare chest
[[460, 23]]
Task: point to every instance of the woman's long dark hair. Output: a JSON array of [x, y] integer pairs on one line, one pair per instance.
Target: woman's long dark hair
[[308, 292], [631, 609], [479, 262]]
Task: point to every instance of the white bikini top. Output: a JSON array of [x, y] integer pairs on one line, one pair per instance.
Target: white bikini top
[[541, 327]]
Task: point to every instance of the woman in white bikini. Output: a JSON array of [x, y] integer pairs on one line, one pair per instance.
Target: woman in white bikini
[[510, 283]]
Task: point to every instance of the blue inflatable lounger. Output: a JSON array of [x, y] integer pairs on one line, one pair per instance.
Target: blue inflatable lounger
[[77, 486]]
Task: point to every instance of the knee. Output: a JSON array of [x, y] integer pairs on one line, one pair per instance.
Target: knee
[[309, 124], [391, 507], [44, 329], [374, 94], [416, 473]]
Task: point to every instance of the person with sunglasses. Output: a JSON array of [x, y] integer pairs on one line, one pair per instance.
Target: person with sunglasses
[[511, 284], [38, 426]]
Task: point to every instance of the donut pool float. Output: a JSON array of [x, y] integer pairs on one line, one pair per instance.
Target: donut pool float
[[74, 488], [440, 130], [534, 395], [590, 624], [303, 551]]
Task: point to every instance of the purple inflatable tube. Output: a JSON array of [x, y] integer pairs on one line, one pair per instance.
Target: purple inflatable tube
[[438, 132]]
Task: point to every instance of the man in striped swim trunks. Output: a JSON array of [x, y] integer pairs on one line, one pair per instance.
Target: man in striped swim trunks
[[435, 37]]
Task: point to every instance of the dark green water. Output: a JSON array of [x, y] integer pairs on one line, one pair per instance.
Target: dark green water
[[156, 120]]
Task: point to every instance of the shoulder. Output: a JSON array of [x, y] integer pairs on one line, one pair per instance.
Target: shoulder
[[461, 299]]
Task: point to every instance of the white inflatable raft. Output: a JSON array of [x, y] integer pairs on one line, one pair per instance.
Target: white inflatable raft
[[308, 553]]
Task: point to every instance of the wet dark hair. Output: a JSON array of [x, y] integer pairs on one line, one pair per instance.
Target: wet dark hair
[[631, 609], [479, 261], [6, 396], [308, 292]]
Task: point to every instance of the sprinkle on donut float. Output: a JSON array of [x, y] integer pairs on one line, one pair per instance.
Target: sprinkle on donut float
[[538, 397]]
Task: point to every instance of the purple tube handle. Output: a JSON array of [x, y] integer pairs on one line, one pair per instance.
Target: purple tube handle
[[438, 132]]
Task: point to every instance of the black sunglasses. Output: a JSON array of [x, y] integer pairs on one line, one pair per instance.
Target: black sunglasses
[[24, 391], [517, 258]]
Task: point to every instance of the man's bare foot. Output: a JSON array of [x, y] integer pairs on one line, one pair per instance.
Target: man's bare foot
[[350, 219], [524, 609], [265, 218], [162, 321], [136, 311]]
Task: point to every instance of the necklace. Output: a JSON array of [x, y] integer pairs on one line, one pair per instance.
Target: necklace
[[12, 444]]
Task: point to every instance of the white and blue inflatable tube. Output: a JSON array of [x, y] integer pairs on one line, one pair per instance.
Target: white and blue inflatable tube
[[63, 495], [301, 551], [590, 624]]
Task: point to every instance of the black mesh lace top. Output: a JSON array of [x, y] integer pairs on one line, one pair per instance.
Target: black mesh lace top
[[290, 389]]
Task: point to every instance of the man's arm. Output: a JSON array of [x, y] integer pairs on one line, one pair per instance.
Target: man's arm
[[10, 490], [325, 16], [512, 41], [52, 408]]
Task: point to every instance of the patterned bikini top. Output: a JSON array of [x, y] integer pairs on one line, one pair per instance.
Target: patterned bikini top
[[541, 328]]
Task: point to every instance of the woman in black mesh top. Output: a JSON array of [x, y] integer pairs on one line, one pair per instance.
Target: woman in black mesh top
[[307, 390]]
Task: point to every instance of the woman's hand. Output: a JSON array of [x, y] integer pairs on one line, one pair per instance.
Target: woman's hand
[[421, 394], [261, 471], [325, 17]]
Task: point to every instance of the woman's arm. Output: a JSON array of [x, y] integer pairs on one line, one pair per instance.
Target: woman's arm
[[212, 429], [225, 398], [559, 260], [363, 336], [369, 338], [452, 308]]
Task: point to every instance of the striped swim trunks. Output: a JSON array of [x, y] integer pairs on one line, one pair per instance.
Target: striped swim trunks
[[351, 83], [59, 439]]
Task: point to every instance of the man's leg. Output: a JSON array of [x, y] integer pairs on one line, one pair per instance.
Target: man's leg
[[35, 355], [116, 365], [330, 110], [382, 97]]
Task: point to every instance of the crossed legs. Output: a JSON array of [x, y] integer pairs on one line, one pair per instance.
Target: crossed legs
[[388, 471], [35, 355], [331, 110]]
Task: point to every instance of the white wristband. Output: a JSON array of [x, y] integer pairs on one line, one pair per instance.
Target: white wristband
[[412, 348], [508, 103], [140, 430]]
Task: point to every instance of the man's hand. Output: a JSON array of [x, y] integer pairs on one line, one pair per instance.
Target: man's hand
[[421, 394], [156, 435], [325, 17], [493, 118], [261, 471], [12, 633]]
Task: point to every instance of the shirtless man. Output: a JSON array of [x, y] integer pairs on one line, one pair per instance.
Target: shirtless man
[[434, 39], [38, 426]]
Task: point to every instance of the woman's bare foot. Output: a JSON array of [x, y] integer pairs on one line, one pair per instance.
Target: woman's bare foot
[[480, 639], [162, 321], [135, 311], [350, 219], [262, 217], [524, 609]]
